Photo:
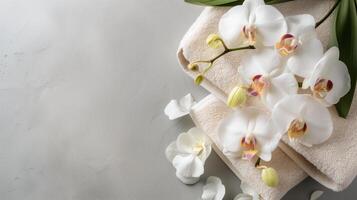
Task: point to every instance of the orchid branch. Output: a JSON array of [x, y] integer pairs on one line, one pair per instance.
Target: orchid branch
[[213, 41], [327, 14]]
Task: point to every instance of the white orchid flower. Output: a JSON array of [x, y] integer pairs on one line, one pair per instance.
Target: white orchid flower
[[248, 132], [262, 71], [188, 155], [248, 193], [214, 189], [253, 22], [330, 79], [176, 109], [303, 118], [300, 45]]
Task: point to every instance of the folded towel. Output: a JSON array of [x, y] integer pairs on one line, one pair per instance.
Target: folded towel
[[207, 115], [333, 163]]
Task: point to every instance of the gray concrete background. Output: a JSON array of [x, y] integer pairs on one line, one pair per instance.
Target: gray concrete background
[[83, 85]]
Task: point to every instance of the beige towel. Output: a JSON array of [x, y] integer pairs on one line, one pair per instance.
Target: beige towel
[[207, 115], [333, 163]]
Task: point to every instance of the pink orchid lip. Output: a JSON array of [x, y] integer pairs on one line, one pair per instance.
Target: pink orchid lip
[[322, 87], [287, 45], [258, 85], [297, 129], [249, 33]]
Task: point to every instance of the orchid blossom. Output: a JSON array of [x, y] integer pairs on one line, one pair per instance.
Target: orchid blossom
[[188, 155], [303, 118], [262, 71], [300, 45], [253, 23], [248, 132], [330, 79]]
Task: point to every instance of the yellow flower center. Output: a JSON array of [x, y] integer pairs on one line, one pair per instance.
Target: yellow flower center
[[249, 33], [297, 128], [286, 45], [258, 85], [198, 148], [322, 87], [249, 147]]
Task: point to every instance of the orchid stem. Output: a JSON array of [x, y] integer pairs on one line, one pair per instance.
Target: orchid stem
[[226, 50], [257, 163], [327, 14]]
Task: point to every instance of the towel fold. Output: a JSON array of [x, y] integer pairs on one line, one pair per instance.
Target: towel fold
[[207, 115], [333, 163]]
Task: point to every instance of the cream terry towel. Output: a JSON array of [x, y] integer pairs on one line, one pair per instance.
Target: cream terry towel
[[207, 115], [333, 163]]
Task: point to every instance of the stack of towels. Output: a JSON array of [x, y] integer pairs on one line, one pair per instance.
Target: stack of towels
[[333, 163]]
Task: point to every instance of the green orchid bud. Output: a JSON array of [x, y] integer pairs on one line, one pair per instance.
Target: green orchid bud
[[270, 177], [214, 41], [237, 96], [199, 79], [193, 66]]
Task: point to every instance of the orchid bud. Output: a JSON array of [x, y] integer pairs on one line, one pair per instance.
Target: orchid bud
[[192, 66], [237, 96], [214, 41], [270, 177], [199, 79]]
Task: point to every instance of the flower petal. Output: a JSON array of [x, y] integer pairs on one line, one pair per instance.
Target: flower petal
[[214, 189], [176, 109], [280, 86], [171, 151], [185, 143], [231, 25], [306, 56], [246, 121], [188, 166], [270, 24], [259, 62], [330, 68], [300, 24], [231, 131], [201, 138], [317, 117], [187, 180], [252, 4]]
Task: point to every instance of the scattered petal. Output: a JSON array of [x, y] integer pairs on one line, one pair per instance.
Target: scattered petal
[[176, 109], [214, 189], [247, 190], [188, 155], [188, 166]]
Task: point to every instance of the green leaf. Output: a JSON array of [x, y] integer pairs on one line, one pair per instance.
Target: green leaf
[[228, 2], [346, 36]]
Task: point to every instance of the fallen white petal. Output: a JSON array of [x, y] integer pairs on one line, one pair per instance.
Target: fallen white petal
[[243, 196], [188, 165], [176, 109], [214, 189], [316, 194]]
